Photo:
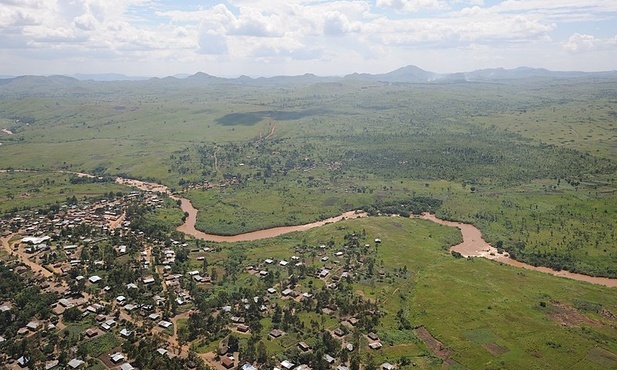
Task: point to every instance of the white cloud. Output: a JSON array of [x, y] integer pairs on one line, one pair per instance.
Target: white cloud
[[306, 32], [582, 43], [336, 23], [412, 5], [86, 22]]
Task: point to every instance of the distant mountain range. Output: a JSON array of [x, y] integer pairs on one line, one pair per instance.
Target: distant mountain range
[[408, 74]]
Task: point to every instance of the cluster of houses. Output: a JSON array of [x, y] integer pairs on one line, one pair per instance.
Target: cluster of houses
[[35, 238], [120, 314]]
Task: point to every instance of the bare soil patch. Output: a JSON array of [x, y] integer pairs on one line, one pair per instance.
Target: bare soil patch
[[495, 349], [435, 345], [569, 316]]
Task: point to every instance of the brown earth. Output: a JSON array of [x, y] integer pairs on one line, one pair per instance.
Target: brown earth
[[435, 345], [495, 349]]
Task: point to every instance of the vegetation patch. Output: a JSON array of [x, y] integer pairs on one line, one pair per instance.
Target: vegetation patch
[[97, 346], [602, 357], [480, 336]]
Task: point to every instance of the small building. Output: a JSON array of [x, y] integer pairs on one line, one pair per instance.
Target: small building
[[130, 307], [91, 332], [227, 362], [271, 290], [94, 279], [276, 333], [125, 333], [287, 364], [116, 357], [127, 366], [65, 303], [165, 324], [23, 361], [75, 363], [287, 292], [33, 325], [243, 328], [51, 364], [148, 280], [372, 336], [329, 359], [303, 346], [387, 366], [375, 345]]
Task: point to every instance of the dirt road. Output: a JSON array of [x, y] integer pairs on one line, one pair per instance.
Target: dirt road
[[23, 257]]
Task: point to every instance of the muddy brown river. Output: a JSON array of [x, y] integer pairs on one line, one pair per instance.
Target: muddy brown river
[[473, 244]]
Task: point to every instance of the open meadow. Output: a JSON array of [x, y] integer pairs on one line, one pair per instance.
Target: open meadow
[[530, 162]]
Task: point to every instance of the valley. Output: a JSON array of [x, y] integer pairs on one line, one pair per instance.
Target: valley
[[225, 223]]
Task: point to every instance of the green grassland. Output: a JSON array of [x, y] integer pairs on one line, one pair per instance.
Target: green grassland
[[488, 314], [21, 190], [338, 146]]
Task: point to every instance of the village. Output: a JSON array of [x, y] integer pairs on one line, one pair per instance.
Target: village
[[114, 291]]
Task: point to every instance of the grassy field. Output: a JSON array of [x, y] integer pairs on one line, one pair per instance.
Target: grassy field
[[282, 155], [487, 314], [19, 190], [531, 163]]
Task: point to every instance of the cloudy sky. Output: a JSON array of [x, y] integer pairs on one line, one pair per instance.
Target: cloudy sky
[[289, 37]]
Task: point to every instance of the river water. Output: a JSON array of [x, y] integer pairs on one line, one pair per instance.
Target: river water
[[473, 244]]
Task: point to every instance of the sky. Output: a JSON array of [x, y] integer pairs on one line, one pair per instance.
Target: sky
[[229, 38]]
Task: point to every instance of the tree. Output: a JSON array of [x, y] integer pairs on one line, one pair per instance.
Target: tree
[[71, 314], [232, 343], [262, 353]]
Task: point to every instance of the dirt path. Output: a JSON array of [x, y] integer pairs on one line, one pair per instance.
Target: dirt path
[[474, 246], [114, 224], [23, 257], [173, 340], [272, 130], [216, 161]]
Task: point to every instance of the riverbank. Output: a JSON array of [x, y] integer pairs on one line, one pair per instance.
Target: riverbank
[[473, 244]]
